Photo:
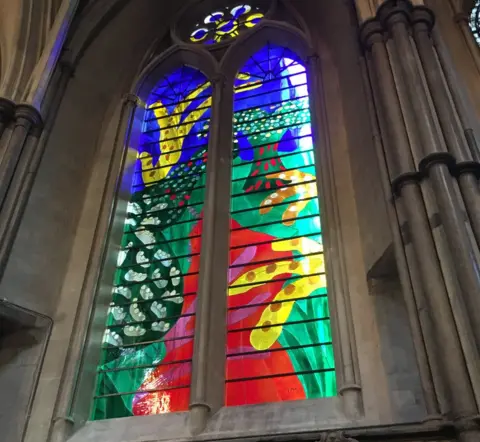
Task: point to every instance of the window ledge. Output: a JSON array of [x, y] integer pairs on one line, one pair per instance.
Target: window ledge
[[228, 422]]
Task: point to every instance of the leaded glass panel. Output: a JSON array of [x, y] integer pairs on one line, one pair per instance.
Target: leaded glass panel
[[279, 343], [148, 343]]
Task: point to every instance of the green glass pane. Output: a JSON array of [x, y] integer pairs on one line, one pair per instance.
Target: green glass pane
[[145, 365], [279, 336]]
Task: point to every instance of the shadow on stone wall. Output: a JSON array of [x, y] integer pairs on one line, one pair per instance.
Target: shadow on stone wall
[[23, 338]]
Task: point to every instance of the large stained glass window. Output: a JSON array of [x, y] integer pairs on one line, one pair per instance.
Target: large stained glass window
[[226, 23], [279, 344], [148, 343], [475, 21]]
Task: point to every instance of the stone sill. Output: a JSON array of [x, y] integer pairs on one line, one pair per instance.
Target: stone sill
[[284, 422], [282, 418]]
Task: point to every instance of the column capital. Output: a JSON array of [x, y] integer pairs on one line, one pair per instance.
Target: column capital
[[392, 12], [219, 80], [24, 111], [371, 32], [422, 15], [131, 99]]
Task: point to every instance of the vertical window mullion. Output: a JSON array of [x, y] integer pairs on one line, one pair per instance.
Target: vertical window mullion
[[208, 379]]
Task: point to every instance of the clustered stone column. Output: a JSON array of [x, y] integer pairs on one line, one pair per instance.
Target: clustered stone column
[[20, 128], [23, 135], [433, 174]]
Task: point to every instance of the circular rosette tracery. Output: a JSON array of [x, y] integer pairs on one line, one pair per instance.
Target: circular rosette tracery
[[226, 24]]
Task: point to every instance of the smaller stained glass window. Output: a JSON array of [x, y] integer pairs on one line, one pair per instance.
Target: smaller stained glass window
[[226, 23], [475, 21]]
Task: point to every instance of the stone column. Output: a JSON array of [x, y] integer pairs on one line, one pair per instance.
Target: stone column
[[464, 166], [26, 168], [421, 328], [417, 158], [26, 121], [208, 375]]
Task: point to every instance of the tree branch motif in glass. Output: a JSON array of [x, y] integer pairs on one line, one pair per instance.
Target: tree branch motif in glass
[[279, 344], [226, 24], [148, 342]]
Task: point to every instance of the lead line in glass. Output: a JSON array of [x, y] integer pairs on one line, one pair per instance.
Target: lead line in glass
[[147, 349], [279, 344]]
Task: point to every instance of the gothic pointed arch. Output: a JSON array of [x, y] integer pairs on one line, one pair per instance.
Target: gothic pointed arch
[[281, 34], [170, 59]]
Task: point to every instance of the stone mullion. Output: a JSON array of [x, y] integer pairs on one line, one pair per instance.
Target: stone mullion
[[444, 354], [208, 374]]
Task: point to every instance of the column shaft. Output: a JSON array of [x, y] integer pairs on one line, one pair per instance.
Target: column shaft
[[405, 182], [421, 328], [436, 159]]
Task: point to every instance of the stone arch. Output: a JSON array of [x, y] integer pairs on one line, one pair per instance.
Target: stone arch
[[175, 56], [281, 34]]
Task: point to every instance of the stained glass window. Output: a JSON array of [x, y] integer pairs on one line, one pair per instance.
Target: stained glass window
[[226, 24], [279, 344], [475, 21], [148, 343]]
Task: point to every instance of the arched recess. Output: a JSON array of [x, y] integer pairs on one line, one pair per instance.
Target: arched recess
[[149, 308], [267, 31]]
